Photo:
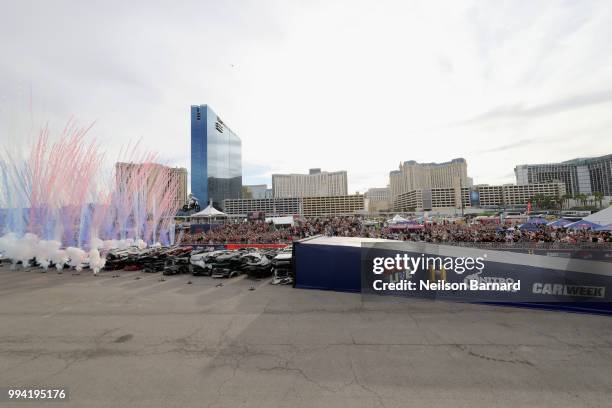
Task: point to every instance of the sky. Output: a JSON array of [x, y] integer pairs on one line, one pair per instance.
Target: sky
[[339, 85]]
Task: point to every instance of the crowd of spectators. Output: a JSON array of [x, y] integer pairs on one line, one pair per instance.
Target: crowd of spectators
[[506, 234], [250, 232]]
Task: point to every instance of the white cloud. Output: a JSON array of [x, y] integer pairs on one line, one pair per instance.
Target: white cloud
[[348, 85]]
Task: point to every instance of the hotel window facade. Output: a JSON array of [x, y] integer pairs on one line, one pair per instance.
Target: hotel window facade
[[216, 158], [420, 176], [314, 184], [580, 176]]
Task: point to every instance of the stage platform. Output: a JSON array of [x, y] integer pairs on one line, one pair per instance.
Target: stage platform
[[336, 263], [330, 263]]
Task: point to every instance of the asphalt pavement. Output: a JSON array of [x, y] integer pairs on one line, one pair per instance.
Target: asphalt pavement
[[136, 341]]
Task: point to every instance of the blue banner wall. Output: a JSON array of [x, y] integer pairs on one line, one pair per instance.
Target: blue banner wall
[[345, 264]]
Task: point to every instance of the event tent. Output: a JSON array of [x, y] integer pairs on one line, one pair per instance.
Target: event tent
[[560, 223], [411, 226], [583, 224], [414, 226], [395, 227], [603, 217], [604, 228], [209, 213], [537, 220], [280, 220], [397, 219]]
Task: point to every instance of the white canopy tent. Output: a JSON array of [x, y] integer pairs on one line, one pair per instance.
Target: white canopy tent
[[209, 213], [280, 220], [397, 219], [603, 217]]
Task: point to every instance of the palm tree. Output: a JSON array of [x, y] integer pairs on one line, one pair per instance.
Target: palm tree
[[537, 200], [599, 198], [559, 201]]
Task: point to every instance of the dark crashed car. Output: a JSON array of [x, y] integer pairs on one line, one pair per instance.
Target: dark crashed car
[[227, 265]]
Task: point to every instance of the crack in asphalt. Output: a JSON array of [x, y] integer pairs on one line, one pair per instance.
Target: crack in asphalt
[[494, 359]]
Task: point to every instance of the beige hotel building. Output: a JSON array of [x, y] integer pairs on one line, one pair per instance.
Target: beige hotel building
[[417, 176], [174, 177], [314, 184]]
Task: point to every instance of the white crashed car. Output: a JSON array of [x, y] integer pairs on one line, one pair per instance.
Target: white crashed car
[[203, 262]]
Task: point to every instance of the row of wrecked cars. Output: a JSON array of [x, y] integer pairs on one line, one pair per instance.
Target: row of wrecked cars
[[256, 263], [130, 255]]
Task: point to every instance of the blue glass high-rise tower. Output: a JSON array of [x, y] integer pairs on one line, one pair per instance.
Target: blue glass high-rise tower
[[216, 158]]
